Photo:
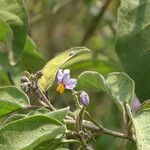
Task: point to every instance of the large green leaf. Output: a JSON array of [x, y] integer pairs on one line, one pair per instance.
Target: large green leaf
[[50, 69], [117, 85], [141, 124], [14, 13], [29, 132], [12, 99], [31, 58], [59, 114], [133, 43]]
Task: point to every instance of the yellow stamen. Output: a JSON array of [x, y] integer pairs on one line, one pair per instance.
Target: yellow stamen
[[60, 89]]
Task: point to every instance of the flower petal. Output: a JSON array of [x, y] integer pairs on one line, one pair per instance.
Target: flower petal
[[71, 84], [66, 76], [60, 75]]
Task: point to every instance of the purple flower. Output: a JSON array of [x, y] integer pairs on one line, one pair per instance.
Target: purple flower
[[64, 81], [135, 104], [84, 98]]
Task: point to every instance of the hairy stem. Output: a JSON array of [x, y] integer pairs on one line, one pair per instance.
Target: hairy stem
[[44, 98], [100, 130], [75, 97], [81, 117]]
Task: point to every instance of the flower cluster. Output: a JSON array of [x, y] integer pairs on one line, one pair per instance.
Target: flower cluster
[[66, 82]]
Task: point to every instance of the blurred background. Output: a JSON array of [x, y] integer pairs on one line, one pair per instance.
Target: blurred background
[[58, 25]]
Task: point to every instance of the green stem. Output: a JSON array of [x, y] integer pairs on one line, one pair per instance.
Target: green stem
[[81, 117], [44, 98], [101, 130], [75, 97]]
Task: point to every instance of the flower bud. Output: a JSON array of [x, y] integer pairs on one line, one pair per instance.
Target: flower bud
[[39, 74], [24, 79], [84, 98]]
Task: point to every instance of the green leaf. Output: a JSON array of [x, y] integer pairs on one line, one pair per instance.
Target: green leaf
[[5, 65], [50, 69], [14, 14], [145, 105], [59, 114], [12, 99], [117, 85], [133, 43], [29, 132], [31, 58], [49, 145], [4, 80], [42, 111], [99, 63], [141, 124], [13, 118], [128, 145], [4, 31]]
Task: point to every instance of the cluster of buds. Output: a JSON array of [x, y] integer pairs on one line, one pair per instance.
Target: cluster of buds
[[66, 82], [29, 81]]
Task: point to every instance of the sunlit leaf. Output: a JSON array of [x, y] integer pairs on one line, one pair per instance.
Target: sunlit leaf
[[50, 69]]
